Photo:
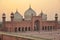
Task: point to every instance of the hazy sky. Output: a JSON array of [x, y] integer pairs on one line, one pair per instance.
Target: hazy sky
[[49, 7]]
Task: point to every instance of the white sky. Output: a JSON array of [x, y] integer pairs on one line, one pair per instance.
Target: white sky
[[49, 7]]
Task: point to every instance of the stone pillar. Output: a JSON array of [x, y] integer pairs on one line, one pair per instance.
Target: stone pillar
[[52, 28], [24, 29], [21, 29]]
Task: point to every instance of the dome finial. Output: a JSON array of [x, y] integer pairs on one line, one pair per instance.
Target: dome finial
[[41, 12], [16, 10], [30, 6]]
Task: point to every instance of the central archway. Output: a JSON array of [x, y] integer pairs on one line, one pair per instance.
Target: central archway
[[37, 25]]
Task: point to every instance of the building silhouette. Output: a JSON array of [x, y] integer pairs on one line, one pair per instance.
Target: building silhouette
[[30, 22]]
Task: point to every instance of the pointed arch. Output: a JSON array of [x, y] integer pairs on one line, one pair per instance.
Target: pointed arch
[[37, 25], [19, 28]]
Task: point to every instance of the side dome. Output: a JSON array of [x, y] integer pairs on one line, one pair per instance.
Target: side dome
[[29, 13], [17, 16], [44, 16]]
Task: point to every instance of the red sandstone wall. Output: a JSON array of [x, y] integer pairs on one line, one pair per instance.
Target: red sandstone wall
[[58, 26], [11, 26], [48, 23], [1, 37], [34, 18]]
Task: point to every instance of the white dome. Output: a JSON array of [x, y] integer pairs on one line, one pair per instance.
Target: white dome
[[44, 16], [29, 13], [18, 16]]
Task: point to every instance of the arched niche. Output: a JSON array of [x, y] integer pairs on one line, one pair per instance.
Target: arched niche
[[37, 25]]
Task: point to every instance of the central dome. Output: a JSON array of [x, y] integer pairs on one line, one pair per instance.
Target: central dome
[[29, 13]]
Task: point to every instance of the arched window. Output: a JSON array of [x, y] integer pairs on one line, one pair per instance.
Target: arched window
[[42, 27], [37, 25], [25, 28], [19, 28], [28, 28], [15, 29]]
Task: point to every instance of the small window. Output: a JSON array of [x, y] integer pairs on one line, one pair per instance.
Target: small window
[[43, 28], [19, 29]]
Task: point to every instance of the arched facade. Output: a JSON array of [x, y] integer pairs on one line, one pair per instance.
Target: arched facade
[[34, 24], [37, 25]]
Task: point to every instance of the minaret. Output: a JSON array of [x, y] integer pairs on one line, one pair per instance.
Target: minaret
[[12, 17], [56, 17], [3, 17], [3, 22], [56, 21]]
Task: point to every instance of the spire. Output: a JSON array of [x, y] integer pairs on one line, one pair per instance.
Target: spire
[[30, 6], [16, 10], [41, 12]]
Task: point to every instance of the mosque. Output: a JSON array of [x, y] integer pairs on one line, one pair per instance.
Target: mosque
[[30, 22]]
